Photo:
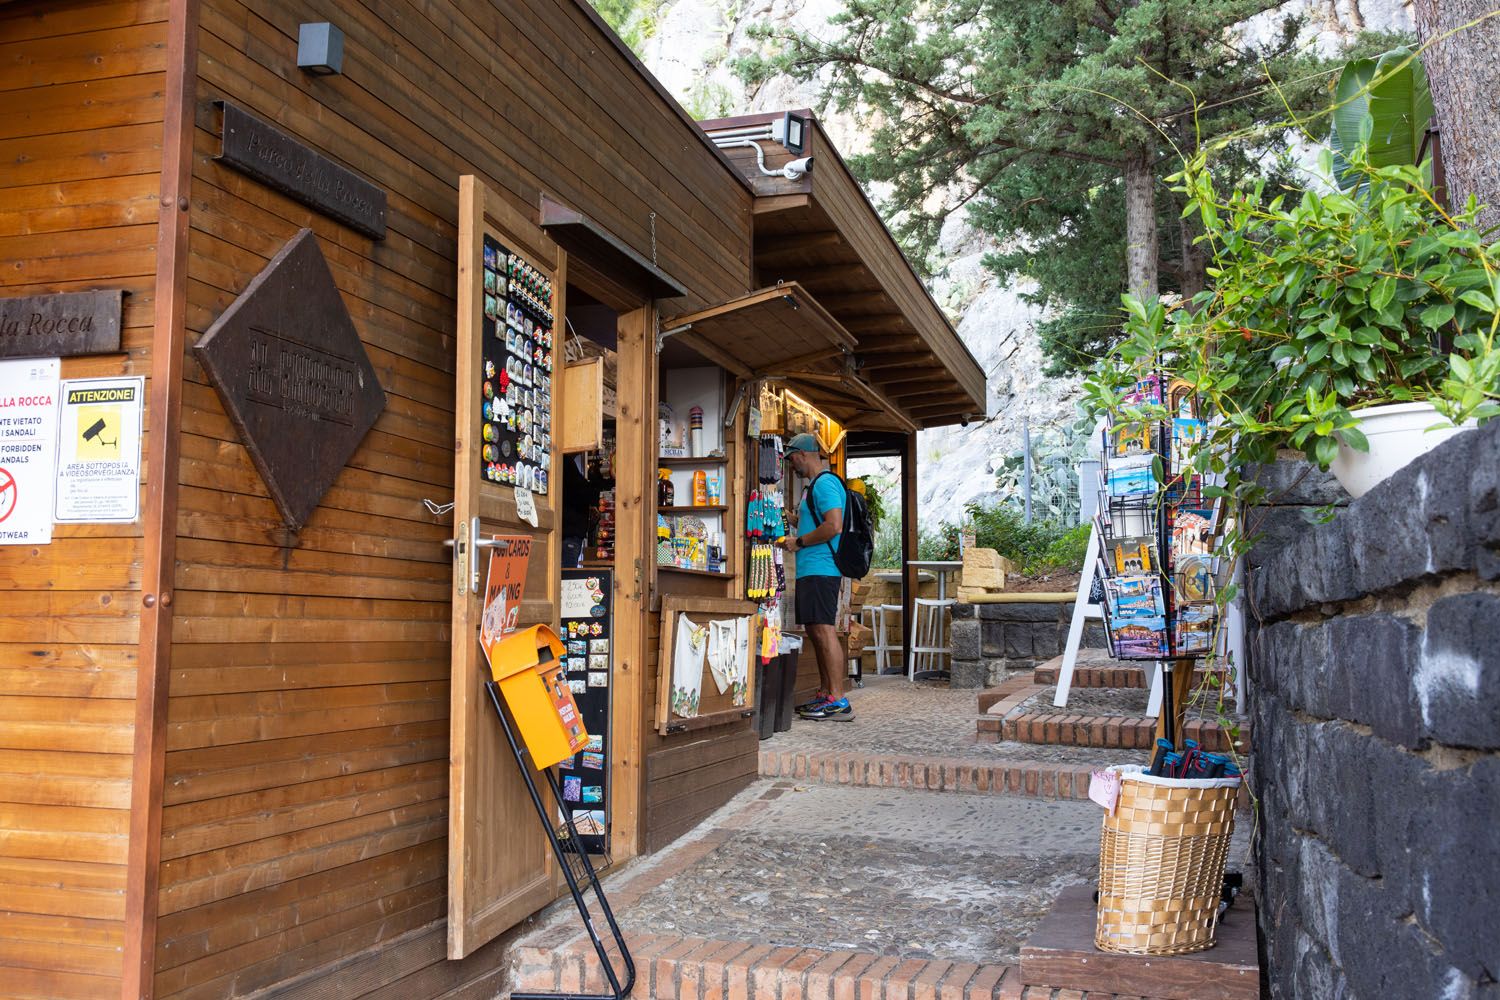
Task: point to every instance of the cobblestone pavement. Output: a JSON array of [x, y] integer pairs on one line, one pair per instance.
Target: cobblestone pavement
[[895, 716], [907, 874]]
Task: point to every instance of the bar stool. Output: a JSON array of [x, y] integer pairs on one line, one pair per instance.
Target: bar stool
[[929, 635], [878, 618]]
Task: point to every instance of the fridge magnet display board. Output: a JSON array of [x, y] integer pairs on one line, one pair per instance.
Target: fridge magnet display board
[[705, 673], [588, 640], [516, 393]]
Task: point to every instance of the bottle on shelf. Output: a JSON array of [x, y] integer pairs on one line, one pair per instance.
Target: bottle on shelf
[[700, 489], [665, 493], [715, 491]]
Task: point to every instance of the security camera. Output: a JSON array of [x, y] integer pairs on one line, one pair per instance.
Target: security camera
[[797, 168]]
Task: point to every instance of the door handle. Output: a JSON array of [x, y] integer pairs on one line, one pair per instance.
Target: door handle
[[466, 555]]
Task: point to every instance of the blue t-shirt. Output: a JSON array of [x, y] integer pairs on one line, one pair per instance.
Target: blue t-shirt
[[817, 559]]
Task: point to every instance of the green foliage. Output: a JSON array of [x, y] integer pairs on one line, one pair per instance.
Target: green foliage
[[1382, 102], [633, 20], [1039, 547], [1027, 112], [1323, 302], [940, 543]]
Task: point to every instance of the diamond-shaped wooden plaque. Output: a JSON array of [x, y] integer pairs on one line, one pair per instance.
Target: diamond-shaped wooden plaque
[[293, 377]]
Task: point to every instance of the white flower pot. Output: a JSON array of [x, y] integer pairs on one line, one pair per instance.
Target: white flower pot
[[1398, 434]]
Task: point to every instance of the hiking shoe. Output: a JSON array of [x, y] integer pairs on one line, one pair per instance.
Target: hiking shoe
[[838, 711], [818, 699]]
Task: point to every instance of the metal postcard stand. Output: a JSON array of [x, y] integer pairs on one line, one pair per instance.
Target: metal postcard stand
[[576, 867]]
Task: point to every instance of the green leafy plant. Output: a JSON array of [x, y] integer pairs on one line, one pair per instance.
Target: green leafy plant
[[1383, 103], [1322, 303]]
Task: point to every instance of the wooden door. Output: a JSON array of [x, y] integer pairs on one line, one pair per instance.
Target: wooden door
[[500, 868]]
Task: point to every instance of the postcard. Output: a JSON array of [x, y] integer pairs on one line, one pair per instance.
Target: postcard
[[593, 793], [1180, 398], [596, 744], [1131, 555], [1145, 637], [594, 761], [571, 788], [598, 679], [1146, 392], [1192, 532], [1195, 629], [590, 823], [1187, 439], [1134, 597], [599, 646], [1193, 578], [578, 647], [598, 662], [1132, 476], [578, 663], [1131, 439], [578, 686]]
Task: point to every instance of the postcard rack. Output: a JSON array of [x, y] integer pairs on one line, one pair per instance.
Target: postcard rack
[[1157, 530]]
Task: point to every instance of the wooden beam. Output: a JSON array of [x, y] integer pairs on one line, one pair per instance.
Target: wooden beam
[[831, 273], [886, 344], [891, 323], [797, 364], [775, 246], [919, 386], [866, 392], [712, 353], [923, 360], [771, 204], [863, 303], [159, 555]]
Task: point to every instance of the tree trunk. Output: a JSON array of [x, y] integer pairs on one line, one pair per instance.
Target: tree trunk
[[1140, 226], [1194, 261], [1462, 70]]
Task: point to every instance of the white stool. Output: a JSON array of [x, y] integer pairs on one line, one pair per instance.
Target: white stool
[[879, 618], [929, 635]]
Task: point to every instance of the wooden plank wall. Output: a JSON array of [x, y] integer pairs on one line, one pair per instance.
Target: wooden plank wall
[[306, 779], [81, 104]]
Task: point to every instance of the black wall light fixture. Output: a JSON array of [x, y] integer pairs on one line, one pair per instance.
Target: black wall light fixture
[[320, 49]]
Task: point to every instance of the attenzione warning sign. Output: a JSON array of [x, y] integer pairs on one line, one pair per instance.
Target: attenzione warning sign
[[99, 450], [28, 430]]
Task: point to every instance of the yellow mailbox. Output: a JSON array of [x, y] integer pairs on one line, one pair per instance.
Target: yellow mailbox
[[528, 666]]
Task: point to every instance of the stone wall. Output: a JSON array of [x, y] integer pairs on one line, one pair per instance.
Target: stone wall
[[1375, 694], [990, 641]]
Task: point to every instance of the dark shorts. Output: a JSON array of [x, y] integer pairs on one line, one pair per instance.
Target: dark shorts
[[817, 599]]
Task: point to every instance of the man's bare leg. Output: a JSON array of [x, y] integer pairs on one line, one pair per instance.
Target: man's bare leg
[[825, 642]]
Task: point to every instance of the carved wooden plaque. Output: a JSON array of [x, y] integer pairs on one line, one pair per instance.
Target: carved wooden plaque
[[293, 168], [60, 326], [293, 376]]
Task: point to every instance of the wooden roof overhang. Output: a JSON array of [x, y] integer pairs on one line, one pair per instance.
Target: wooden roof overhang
[[821, 232], [782, 333]]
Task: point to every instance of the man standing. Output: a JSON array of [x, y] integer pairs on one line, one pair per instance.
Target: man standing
[[820, 522]]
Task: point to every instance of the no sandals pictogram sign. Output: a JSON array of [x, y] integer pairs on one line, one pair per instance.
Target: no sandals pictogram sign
[[7, 493]]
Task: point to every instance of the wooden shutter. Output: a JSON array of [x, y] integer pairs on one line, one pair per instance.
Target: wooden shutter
[[500, 868]]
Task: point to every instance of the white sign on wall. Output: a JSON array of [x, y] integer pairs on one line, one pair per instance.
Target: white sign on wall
[[28, 435], [99, 450]]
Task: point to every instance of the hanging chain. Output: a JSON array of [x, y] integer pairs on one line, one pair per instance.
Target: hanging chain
[[653, 239]]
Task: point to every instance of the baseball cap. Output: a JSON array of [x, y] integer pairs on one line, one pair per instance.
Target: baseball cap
[[804, 442]]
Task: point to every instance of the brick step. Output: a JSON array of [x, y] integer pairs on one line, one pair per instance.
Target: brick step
[[688, 968], [1104, 731], [1036, 779], [1109, 677]]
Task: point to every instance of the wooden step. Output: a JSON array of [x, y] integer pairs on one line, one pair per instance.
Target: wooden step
[[1063, 728], [1060, 955]]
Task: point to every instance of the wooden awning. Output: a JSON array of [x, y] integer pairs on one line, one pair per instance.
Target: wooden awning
[[770, 332], [604, 252]]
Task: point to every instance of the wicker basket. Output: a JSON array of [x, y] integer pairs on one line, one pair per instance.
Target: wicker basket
[[1161, 864]]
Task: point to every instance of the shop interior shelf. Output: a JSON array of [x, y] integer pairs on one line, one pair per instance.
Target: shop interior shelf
[[696, 572], [692, 510], [705, 460]]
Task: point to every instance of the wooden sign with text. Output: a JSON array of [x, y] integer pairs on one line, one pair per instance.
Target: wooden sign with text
[[60, 326]]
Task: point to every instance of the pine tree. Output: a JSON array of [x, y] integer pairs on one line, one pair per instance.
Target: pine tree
[[1056, 122]]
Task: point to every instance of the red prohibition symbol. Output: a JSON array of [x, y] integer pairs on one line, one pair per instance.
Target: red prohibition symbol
[[8, 494]]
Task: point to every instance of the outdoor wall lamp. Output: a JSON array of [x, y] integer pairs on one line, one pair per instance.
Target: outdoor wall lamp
[[320, 49]]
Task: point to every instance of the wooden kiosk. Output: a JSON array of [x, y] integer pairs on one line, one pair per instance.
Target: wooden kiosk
[[238, 739]]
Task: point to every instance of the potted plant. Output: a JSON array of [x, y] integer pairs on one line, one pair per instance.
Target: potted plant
[[1358, 328]]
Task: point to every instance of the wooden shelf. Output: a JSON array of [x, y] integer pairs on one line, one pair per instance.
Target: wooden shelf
[[692, 461], [696, 572], [720, 509]]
